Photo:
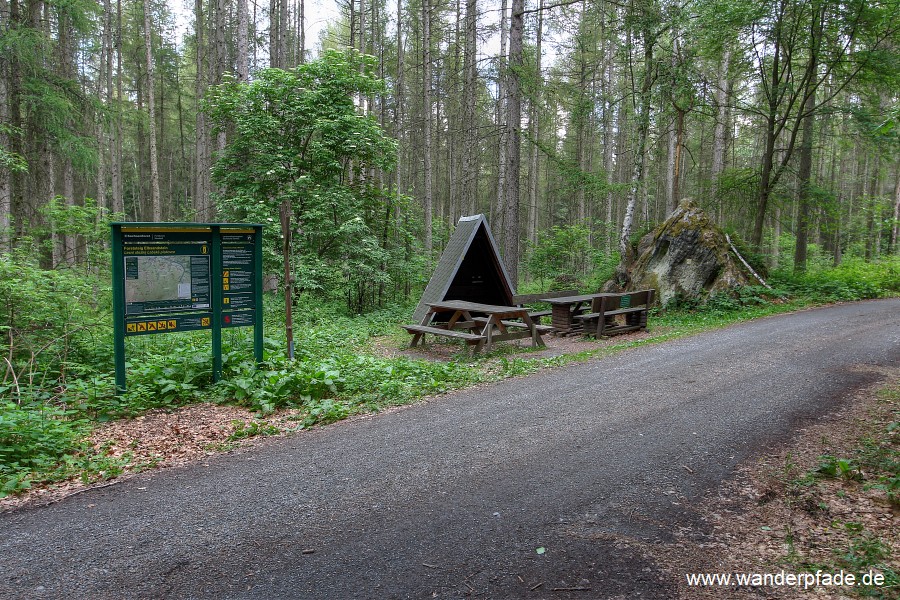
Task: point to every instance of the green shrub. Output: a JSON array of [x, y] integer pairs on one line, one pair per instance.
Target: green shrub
[[855, 279], [34, 438]]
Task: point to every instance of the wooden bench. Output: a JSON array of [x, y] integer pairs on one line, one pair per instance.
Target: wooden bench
[[523, 299], [513, 324], [419, 330], [604, 310]]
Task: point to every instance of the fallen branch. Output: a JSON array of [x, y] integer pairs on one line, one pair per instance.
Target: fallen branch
[[746, 264]]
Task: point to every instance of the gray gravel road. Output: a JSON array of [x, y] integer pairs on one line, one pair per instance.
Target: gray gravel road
[[452, 497]]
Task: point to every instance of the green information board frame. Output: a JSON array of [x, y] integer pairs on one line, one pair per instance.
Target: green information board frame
[[173, 277]]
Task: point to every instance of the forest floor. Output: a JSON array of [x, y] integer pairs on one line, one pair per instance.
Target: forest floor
[[783, 513], [775, 515]]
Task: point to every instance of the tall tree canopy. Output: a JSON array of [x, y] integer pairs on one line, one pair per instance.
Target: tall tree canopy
[[775, 115]]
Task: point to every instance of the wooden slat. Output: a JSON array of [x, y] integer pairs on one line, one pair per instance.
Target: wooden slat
[[540, 313], [443, 332], [625, 311]]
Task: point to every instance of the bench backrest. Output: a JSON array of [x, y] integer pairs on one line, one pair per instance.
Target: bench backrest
[[529, 298], [624, 300]]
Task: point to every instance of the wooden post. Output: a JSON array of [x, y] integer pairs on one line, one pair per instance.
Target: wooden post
[[285, 211]]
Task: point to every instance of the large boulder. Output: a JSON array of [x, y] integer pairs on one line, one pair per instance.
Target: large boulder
[[688, 256]]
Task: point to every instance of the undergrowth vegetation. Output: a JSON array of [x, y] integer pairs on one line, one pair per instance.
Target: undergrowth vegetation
[[57, 359], [865, 472]]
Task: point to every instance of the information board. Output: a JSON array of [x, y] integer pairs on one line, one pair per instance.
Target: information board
[[173, 277]]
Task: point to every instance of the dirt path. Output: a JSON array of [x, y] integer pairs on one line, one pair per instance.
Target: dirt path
[[550, 486]]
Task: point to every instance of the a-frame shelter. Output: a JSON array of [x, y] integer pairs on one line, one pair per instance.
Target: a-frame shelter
[[470, 269]]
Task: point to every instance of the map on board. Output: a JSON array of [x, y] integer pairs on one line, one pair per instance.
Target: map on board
[[157, 278], [166, 282]]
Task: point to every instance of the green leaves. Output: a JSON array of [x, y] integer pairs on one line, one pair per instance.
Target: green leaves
[[278, 383], [298, 139]]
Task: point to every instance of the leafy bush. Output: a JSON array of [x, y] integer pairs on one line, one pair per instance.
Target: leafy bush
[[33, 438], [855, 279], [375, 380], [48, 319], [278, 383]]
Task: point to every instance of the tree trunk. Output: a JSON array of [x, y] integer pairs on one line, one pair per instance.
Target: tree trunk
[[872, 208], [470, 124], [274, 46], [66, 46], [41, 174], [284, 211], [155, 204], [243, 31], [17, 179], [427, 123], [201, 200], [535, 133], [302, 19], [5, 174], [720, 133], [283, 55], [514, 125], [894, 228], [104, 90], [637, 171], [399, 105], [609, 136], [671, 159], [804, 183], [118, 191], [499, 205]]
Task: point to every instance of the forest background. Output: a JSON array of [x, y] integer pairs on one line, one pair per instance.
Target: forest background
[[575, 126]]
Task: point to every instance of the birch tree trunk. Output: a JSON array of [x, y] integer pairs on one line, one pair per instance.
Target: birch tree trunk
[[609, 138], [637, 171], [155, 204]]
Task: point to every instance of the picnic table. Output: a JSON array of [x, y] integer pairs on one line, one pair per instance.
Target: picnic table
[[479, 325], [565, 309]]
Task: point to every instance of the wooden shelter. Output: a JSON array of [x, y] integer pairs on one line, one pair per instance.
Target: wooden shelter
[[470, 269]]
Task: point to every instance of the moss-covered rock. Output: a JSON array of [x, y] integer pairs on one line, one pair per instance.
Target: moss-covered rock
[[687, 256]]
